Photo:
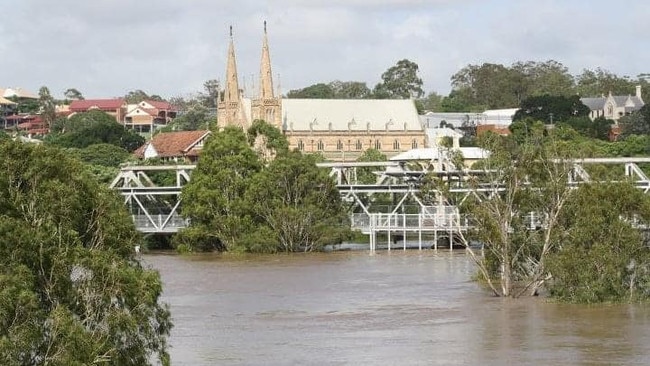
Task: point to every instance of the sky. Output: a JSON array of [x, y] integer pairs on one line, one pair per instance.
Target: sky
[[105, 48]]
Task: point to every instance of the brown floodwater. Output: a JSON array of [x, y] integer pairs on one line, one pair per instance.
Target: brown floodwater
[[397, 308]]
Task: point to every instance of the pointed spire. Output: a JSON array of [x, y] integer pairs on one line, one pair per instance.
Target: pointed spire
[[266, 77], [231, 93]]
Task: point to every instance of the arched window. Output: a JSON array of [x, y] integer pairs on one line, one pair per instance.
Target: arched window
[[301, 145], [414, 144], [358, 145], [320, 146], [377, 144], [339, 145], [396, 145]]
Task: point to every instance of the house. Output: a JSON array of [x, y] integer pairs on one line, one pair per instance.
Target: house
[[114, 107], [30, 123], [614, 106], [178, 146], [147, 115], [18, 93]]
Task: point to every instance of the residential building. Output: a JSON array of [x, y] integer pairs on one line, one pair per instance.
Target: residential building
[[614, 106], [115, 107], [178, 146], [339, 129], [148, 115]]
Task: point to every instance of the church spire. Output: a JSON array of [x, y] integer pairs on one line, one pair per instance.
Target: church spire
[[266, 77], [232, 83]]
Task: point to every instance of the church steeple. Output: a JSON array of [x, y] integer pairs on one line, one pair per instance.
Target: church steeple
[[232, 81], [266, 76], [230, 110]]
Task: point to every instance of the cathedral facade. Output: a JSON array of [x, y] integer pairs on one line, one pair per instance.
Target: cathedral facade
[[339, 129]]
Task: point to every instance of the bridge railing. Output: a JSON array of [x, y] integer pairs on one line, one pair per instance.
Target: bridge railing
[[397, 221], [159, 223]]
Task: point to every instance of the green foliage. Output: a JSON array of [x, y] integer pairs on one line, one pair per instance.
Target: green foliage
[[596, 129], [267, 140], [4, 135], [551, 109], [333, 90], [299, 203], [72, 291], [612, 257], [46, 105], [213, 199], [367, 175], [236, 203], [194, 118], [637, 123], [316, 91], [600, 81], [400, 82], [103, 154], [137, 96], [95, 127]]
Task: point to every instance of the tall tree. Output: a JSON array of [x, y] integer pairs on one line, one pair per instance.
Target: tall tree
[[594, 83], [516, 211], [72, 291], [400, 82], [73, 94], [47, 106], [540, 78], [211, 90]]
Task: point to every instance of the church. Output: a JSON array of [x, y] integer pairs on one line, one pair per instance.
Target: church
[[339, 129]]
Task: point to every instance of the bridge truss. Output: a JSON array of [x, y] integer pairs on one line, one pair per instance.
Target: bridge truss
[[392, 206]]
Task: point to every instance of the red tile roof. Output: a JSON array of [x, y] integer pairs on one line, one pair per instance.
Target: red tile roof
[[103, 104], [161, 105], [173, 144]]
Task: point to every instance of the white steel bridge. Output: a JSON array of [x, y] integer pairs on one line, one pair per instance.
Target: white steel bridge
[[152, 195]]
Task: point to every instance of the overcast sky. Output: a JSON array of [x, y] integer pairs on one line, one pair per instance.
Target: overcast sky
[[105, 48]]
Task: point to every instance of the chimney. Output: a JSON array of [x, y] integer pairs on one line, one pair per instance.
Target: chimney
[[638, 92]]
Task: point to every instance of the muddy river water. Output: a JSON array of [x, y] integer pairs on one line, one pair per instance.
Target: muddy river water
[[390, 308]]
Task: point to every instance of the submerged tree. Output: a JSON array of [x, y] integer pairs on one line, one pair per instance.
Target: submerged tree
[[71, 290], [299, 203], [515, 210], [604, 257]]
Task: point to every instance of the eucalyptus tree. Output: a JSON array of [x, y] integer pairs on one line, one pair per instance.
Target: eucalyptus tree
[[514, 210], [72, 291]]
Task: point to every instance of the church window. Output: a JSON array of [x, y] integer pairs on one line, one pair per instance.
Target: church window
[[301, 145], [414, 144], [377, 144], [320, 145], [358, 145], [339, 145], [396, 145]]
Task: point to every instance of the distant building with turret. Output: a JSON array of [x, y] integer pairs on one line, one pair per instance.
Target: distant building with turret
[[614, 106]]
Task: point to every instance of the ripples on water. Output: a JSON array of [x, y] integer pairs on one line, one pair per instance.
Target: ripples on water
[[397, 308]]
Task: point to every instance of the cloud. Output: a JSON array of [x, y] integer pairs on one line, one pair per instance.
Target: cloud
[[105, 48]]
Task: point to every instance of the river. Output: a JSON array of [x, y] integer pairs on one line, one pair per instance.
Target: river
[[390, 308]]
